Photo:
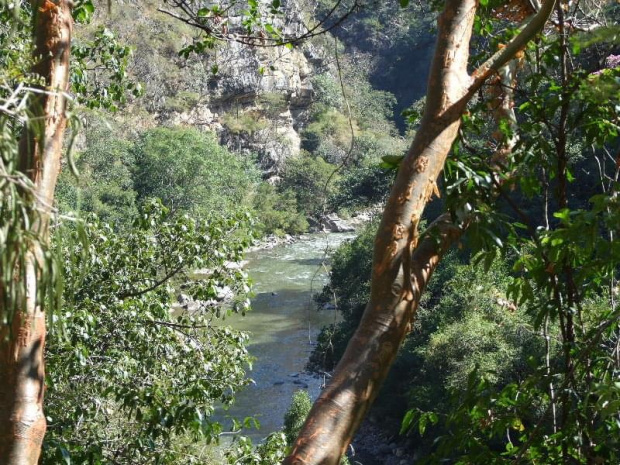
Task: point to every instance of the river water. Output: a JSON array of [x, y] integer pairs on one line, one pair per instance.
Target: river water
[[283, 324]]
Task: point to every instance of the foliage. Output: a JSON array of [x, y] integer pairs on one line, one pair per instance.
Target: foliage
[[272, 450], [307, 177], [99, 71], [329, 135], [276, 212], [104, 185], [468, 329], [110, 174], [258, 23], [364, 184], [127, 373], [245, 122], [191, 172], [296, 415], [275, 446], [564, 275], [99, 77], [15, 46]]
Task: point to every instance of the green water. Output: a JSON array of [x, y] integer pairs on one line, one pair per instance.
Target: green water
[[283, 324]]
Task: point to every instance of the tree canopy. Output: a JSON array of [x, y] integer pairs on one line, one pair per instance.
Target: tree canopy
[[494, 267]]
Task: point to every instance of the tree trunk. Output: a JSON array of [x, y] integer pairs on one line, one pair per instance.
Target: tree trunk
[[401, 266], [22, 422]]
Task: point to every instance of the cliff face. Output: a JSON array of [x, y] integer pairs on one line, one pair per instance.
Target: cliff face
[[257, 101], [254, 107]]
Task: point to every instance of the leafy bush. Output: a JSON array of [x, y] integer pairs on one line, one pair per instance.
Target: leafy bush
[[271, 451], [190, 172], [104, 185], [296, 414], [276, 212], [128, 374], [362, 186], [329, 127], [307, 177]]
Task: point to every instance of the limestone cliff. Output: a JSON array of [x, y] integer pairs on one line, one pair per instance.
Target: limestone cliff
[[257, 101]]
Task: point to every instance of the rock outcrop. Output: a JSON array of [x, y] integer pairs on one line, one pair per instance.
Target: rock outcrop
[[258, 99], [333, 223]]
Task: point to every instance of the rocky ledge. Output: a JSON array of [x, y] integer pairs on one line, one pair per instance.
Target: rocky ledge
[[373, 446]]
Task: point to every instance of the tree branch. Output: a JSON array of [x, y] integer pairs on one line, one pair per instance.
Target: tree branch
[[154, 286], [518, 43], [341, 407]]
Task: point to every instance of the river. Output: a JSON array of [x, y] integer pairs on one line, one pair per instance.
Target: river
[[283, 324]]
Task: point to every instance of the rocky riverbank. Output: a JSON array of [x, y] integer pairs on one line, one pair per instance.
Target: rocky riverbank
[[375, 445]]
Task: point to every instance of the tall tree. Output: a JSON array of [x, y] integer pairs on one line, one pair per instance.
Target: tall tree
[[403, 261], [22, 335]]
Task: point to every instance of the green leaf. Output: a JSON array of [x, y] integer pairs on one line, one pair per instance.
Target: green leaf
[[391, 161], [407, 420], [65, 455]]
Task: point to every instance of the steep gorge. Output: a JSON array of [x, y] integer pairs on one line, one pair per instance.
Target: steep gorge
[[259, 99]]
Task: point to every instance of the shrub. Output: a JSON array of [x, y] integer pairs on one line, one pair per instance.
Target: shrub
[[126, 376], [296, 414], [276, 212], [307, 177], [104, 185], [191, 173], [247, 122]]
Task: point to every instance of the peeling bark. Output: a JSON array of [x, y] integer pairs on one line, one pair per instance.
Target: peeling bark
[[22, 422], [402, 267]]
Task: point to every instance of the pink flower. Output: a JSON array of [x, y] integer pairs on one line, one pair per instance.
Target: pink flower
[[612, 61]]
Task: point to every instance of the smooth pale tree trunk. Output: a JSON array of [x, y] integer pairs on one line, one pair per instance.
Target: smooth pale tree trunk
[[402, 262], [22, 372]]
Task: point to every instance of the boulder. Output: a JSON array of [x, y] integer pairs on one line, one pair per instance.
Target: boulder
[[334, 223]]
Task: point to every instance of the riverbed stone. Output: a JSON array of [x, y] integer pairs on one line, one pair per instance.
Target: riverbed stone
[[334, 223]]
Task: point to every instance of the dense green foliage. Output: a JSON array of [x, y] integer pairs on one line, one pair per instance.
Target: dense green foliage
[[514, 354], [513, 358], [275, 446], [307, 178], [296, 415], [352, 128], [129, 374], [190, 172], [105, 183], [277, 212]]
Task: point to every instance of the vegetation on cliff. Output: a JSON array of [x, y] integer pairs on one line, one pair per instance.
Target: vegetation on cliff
[[223, 126]]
